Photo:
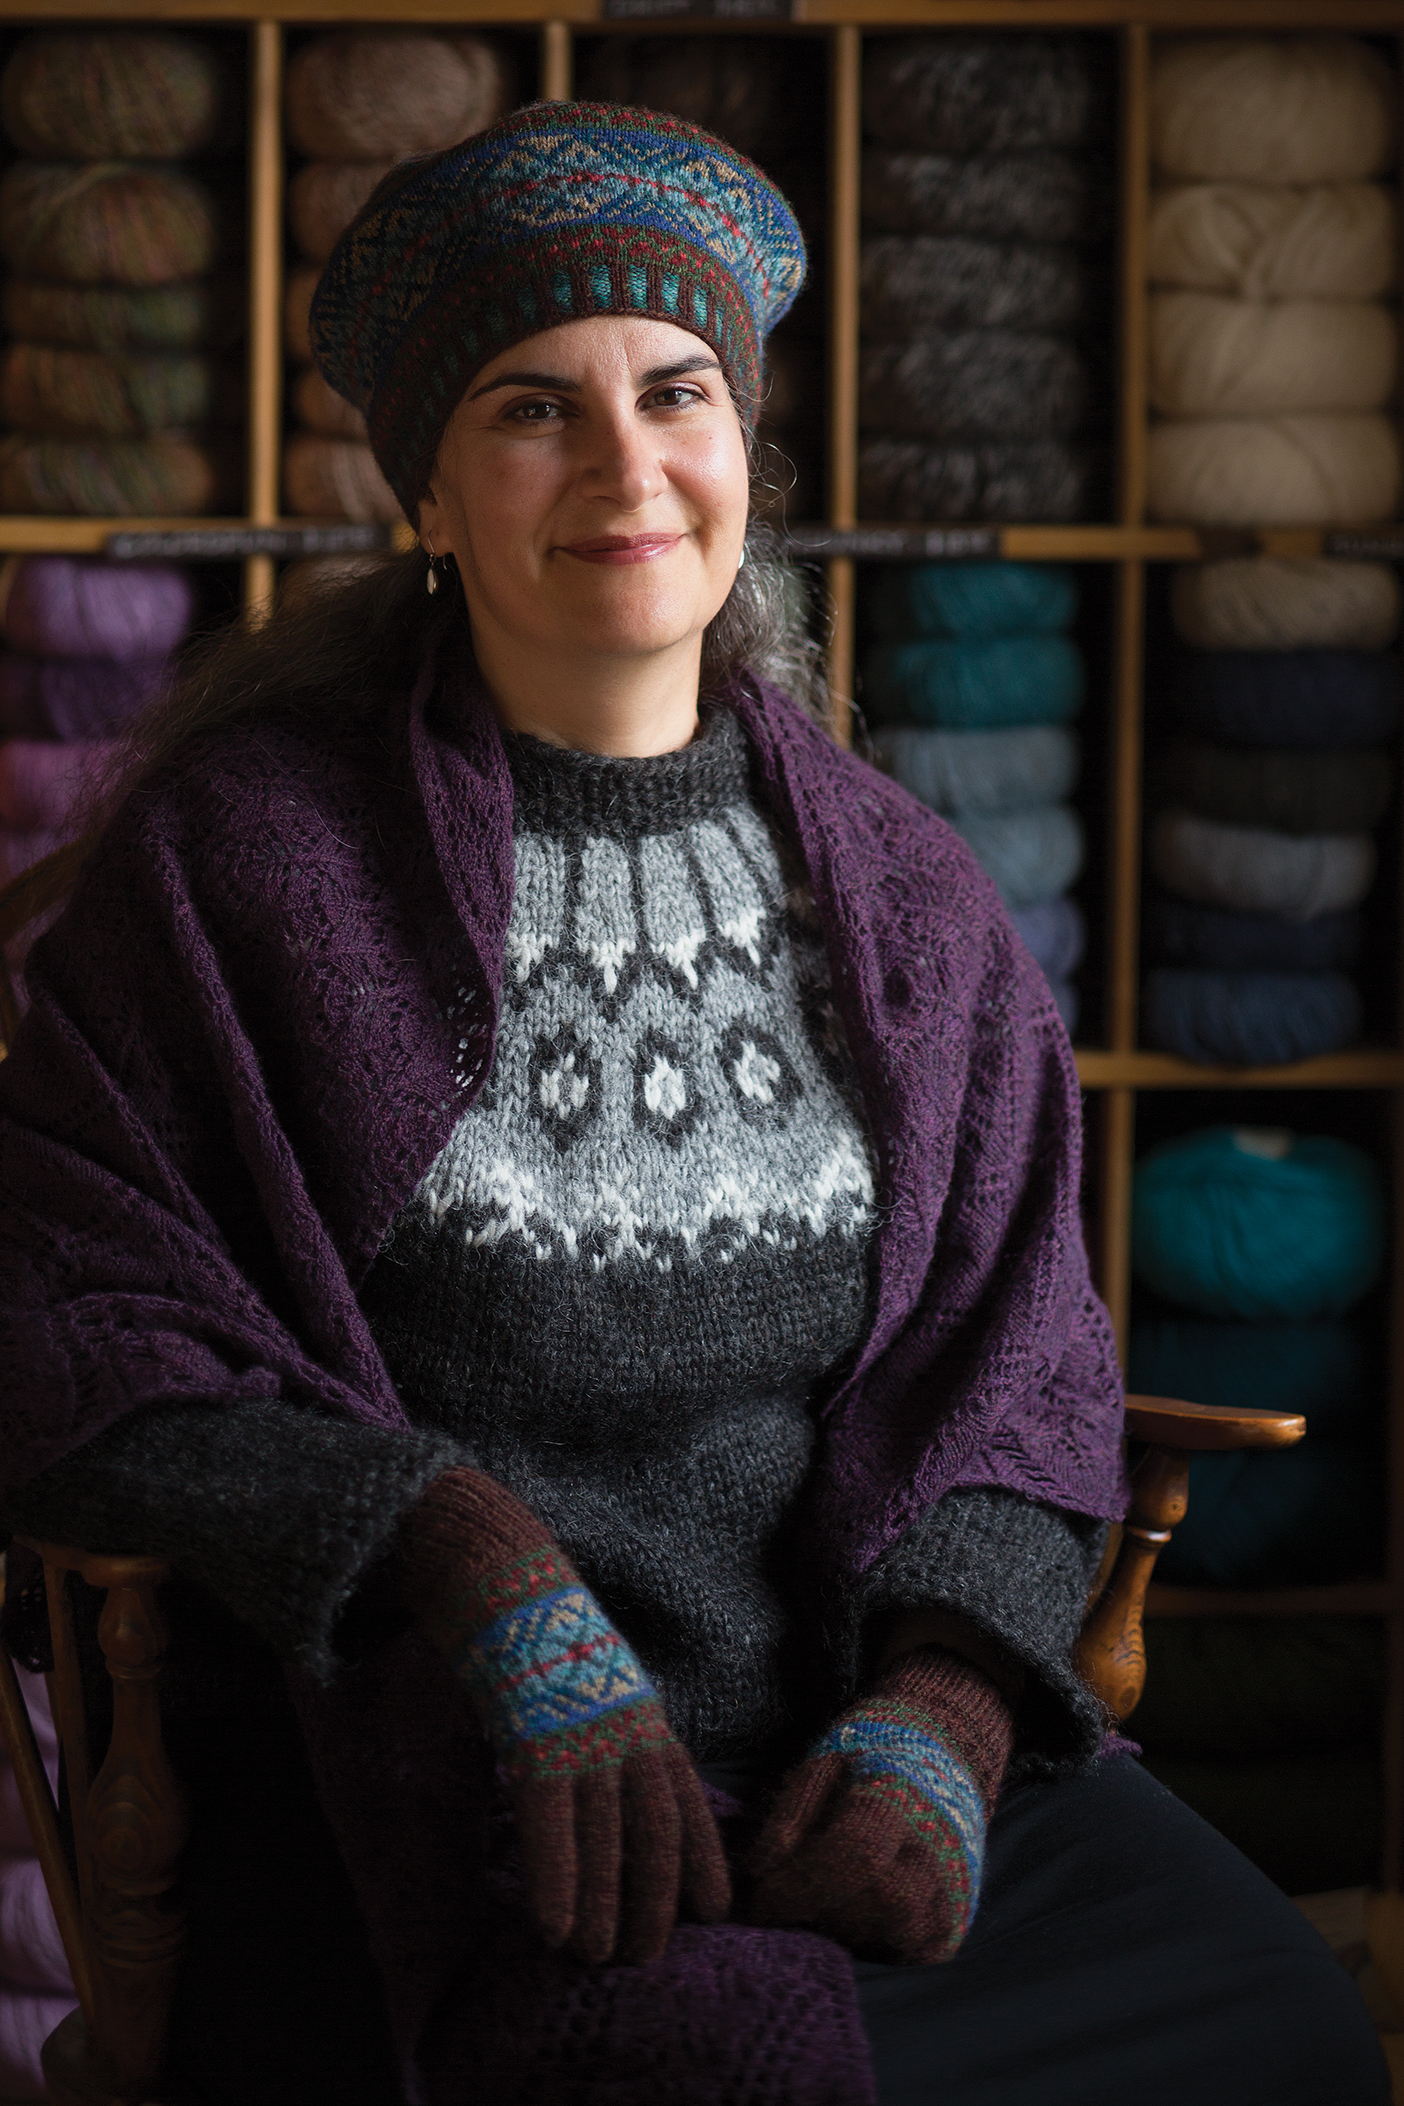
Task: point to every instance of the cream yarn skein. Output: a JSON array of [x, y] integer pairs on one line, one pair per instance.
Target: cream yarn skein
[[321, 409], [1272, 603], [324, 198], [369, 94], [1272, 110], [1326, 241], [335, 479], [1217, 357], [1251, 870], [1273, 471]]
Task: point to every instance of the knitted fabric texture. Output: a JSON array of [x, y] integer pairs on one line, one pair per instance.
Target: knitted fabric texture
[[879, 1836], [560, 211]]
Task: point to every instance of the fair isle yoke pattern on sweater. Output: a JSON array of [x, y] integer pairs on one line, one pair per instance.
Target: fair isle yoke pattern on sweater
[[668, 1087]]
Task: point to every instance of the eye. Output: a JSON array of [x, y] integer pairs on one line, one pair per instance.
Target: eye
[[674, 396], [541, 411]]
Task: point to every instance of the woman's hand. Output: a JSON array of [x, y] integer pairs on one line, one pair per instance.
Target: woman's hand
[[878, 1837], [616, 1833]]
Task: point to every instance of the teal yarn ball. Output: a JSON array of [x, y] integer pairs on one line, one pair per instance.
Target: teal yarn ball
[[1256, 1223], [975, 685], [972, 599], [1302, 1517], [1322, 1370]]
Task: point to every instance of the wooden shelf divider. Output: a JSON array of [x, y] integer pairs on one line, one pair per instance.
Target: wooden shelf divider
[[265, 264], [845, 208]]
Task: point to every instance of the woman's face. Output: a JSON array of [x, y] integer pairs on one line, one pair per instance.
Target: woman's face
[[592, 485]]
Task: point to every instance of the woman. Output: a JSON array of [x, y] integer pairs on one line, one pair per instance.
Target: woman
[[550, 1191]]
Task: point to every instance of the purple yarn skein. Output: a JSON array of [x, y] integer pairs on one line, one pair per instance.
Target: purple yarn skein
[[74, 698], [85, 607]]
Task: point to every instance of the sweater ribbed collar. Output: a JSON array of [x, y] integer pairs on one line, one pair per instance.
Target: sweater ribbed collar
[[562, 793]]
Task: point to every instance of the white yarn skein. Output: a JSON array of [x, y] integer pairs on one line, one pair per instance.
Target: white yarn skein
[[1252, 870], [1327, 241], [1273, 471], [1273, 603], [1272, 110], [1211, 356]]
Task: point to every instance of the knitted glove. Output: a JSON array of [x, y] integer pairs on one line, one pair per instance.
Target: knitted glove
[[878, 1837], [612, 1817]]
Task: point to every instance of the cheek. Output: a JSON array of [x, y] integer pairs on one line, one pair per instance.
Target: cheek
[[715, 475], [500, 509]]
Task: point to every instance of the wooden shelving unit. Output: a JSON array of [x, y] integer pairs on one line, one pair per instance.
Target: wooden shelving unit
[[1115, 1070]]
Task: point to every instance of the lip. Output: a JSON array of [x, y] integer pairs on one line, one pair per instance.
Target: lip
[[622, 548]]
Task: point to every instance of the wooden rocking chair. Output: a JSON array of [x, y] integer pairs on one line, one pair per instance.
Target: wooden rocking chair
[[122, 1924]]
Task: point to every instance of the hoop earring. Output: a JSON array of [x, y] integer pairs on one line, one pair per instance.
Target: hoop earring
[[431, 583]]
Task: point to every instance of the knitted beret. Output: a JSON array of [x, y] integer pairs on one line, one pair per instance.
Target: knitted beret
[[562, 210]]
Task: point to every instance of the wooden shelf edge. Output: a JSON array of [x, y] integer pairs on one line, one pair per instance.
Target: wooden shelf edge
[[1379, 16], [1347, 1598], [1371, 1068]]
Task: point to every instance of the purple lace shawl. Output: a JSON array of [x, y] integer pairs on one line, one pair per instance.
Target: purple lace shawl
[[251, 1032]]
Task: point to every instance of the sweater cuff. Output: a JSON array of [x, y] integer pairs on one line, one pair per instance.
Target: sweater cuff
[[1020, 1573]]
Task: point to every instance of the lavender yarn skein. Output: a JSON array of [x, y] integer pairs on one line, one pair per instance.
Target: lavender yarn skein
[[75, 698], [1056, 935], [84, 607]]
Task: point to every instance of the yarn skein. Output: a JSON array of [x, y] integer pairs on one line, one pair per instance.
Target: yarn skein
[[106, 223], [297, 311], [76, 698], [981, 771], [52, 392], [1298, 470], [951, 384], [320, 409], [1049, 479], [125, 95], [1322, 1370], [1296, 790], [83, 607], [1249, 1019], [1030, 856], [1258, 1223], [1273, 603], [1289, 698], [379, 94], [1260, 241], [711, 81], [163, 476], [324, 198], [188, 317], [1250, 870], [916, 282], [43, 783], [1056, 935], [1047, 196], [1176, 932], [971, 94], [335, 479], [972, 599], [1305, 1515], [976, 685], [1211, 356], [1272, 109]]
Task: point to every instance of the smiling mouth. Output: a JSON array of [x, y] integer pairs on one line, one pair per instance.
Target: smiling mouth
[[622, 548]]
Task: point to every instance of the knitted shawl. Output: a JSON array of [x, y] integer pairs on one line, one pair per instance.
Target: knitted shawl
[[252, 1030]]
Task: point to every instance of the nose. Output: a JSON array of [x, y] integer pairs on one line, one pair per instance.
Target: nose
[[621, 463]]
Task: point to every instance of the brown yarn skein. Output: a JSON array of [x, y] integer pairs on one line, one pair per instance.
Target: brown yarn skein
[[100, 478], [101, 95], [74, 394], [107, 223], [181, 317], [335, 479], [324, 198], [322, 410], [365, 94], [297, 311]]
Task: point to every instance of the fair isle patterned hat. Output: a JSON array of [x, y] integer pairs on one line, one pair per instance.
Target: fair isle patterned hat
[[564, 209]]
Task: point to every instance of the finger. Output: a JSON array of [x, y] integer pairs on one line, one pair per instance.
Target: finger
[[597, 1834], [652, 1858], [545, 1814], [803, 1799], [706, 1880]]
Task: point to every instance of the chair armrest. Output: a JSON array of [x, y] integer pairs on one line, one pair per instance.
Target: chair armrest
[[1168, 1422]]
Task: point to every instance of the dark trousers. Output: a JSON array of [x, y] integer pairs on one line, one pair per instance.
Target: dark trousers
[[1122, 1950]]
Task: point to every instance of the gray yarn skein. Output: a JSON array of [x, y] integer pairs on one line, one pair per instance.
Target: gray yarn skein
[[973, 94], [912, 283], [974, 382], [1251, 870], [1031, 856], [1052, 479], [981, 771], [1044, 197]]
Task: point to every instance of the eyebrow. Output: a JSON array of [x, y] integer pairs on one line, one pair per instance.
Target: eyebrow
[[561, 386]]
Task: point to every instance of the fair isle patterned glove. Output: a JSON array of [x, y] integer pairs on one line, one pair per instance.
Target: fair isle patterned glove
[[878, 1837], [614, 1824]]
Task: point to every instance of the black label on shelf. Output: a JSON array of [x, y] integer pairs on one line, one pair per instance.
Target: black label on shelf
[[221, 544], [1387, 547], [696, 10], [899, 544]]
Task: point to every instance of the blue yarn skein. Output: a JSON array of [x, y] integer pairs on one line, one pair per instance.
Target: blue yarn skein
[[972, 599], [1055, 933], [1250, 1019], [981, 771], [1225, 1225], [975, 686], [1290, 698], [1031, 856], [1179, 933], [1322, 1370], [1302, 1516], [1068, 1001]]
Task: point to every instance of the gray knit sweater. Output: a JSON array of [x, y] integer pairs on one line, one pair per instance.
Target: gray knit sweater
[[624, 1288]]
